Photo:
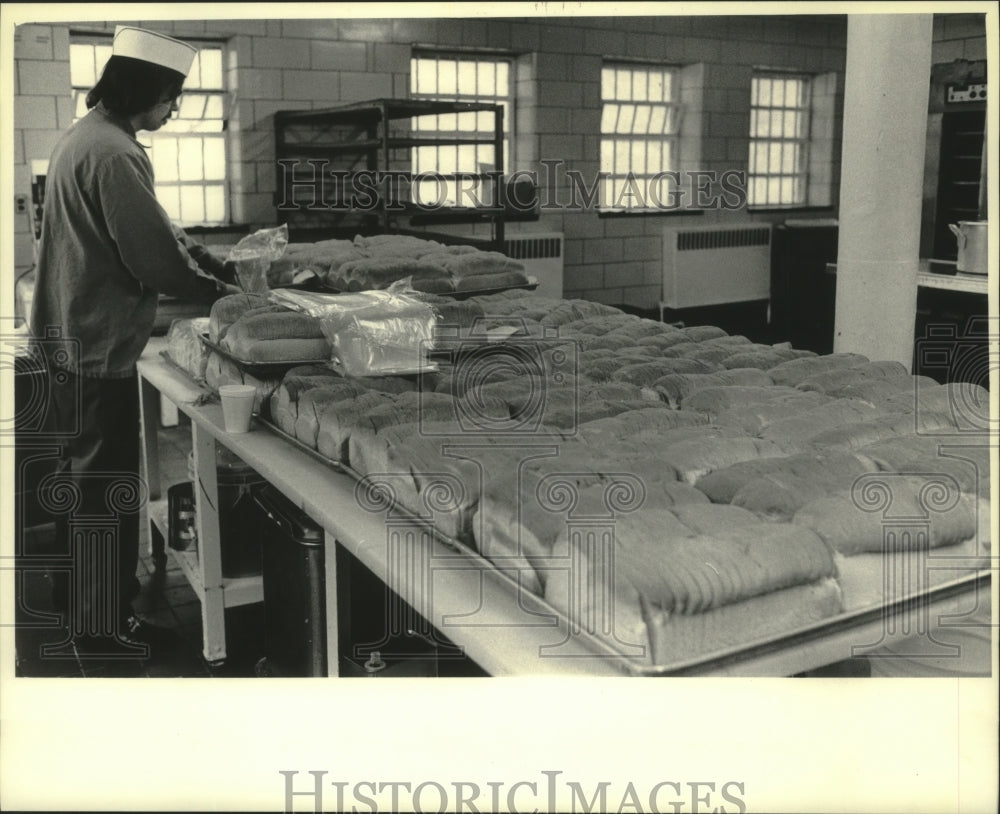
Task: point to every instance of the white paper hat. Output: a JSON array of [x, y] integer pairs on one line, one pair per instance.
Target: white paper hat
[[138, 43]]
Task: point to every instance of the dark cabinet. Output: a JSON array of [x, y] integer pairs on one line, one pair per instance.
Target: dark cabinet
[[951, 337], [959, 176], [803, 291]]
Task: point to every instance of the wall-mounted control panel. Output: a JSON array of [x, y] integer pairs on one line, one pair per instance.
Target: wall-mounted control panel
[[972, 92]]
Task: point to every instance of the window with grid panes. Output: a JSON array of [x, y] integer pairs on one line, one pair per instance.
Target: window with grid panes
[[640, 120], [461, 78], [779, 140], [189, 152]]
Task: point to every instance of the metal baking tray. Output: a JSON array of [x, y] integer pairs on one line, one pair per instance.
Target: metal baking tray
[[261, 366], [336, 466], [714, 661], [843, 622], [531, 285], [271, 369]]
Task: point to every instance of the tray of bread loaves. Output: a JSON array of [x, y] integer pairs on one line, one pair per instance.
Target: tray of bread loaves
[[446, 287], [376, 262], [281, 361]]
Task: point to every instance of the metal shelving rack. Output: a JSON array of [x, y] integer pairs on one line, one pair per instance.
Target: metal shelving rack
[[372, 137]]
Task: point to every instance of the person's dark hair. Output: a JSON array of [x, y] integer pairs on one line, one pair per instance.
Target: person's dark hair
[[129, 86]]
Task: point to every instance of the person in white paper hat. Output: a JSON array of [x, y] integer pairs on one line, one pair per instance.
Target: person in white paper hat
[[107, 251]]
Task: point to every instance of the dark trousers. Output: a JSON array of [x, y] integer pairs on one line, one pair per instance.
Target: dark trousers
[[96, 498]]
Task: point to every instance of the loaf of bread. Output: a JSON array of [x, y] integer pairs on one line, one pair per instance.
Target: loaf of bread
[[699, 572], [764, 358], [674, 638], [798, 430], [833, 380], [338, 419], [680, 596], [879, 426], [313, 402], [753, 418], [405, 408], [285, 399], [226, 310], [939, 512], [780, 493], [280, 351], [567, 312], [699, 333], [515, 523], [675, 387], [280, 336], [710, 354], [693, 459], [718, 399], [968, 464], [871, 580], [388, 245], [647, 373], [599, 324], [284, 324], [897, 536], [793, 371], [967, 404], [185, 347], [722, 485], [876, 391]]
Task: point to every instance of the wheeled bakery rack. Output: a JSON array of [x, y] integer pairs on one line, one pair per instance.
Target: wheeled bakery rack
[[325, 160]]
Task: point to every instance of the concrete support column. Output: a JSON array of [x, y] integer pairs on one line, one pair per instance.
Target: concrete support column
[[885, 127]]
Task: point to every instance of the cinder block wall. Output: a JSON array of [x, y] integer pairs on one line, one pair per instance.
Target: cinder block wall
[[958, 36], [308, 64]]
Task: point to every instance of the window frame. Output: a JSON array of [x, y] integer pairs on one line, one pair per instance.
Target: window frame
[[214, 128], [613, 140], [800, 174], [485, 123]]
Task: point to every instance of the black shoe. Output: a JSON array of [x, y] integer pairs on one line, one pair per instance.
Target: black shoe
[[137, 629]]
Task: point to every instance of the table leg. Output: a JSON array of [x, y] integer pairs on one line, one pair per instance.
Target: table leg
[[149, 413], [332, 634], [213, 607]]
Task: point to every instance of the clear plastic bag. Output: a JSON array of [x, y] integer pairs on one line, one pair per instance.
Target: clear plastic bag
[[372, 333], [254, 254]]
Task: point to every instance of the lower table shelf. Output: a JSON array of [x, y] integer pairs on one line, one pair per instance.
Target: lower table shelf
[[236, 590]]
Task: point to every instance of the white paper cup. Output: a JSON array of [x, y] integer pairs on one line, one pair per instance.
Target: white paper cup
[[237, 406]]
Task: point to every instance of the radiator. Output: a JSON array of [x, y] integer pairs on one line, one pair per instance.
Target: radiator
[[711, 265], [542, 256]]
